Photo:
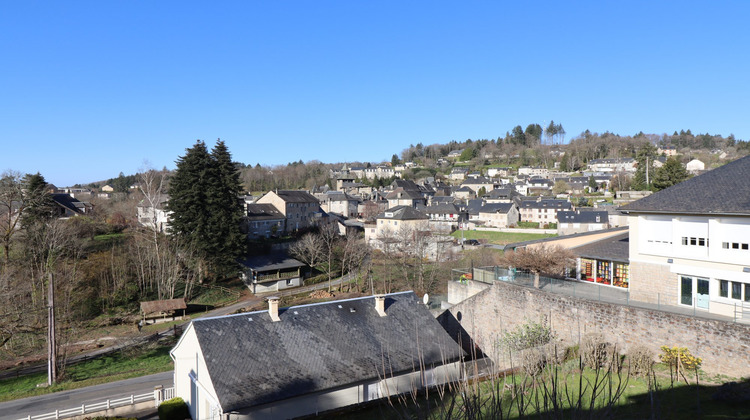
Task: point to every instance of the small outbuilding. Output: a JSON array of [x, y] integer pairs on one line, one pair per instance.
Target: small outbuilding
[[154, 311]]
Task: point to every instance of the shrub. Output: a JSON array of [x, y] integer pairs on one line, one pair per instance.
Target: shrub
[[596, 351], [528, 335], [641, 360], [174, 409]]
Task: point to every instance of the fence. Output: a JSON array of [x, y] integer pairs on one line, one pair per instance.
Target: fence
[[739, 312], [158, 395]]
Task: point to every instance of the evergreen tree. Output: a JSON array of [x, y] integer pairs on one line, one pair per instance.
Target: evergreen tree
[[226, 242], [670, 174], [40, 208], [189, 221]]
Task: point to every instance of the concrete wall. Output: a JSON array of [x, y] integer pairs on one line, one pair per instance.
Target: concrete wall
[[724, 346]]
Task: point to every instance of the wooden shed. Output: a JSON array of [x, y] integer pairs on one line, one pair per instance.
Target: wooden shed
[[154, 311]]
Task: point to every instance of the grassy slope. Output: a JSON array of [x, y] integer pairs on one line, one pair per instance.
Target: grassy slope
[[110, 368], [500, 238]]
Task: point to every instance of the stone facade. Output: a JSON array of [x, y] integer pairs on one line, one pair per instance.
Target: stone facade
[[724, 346], [654, 283]]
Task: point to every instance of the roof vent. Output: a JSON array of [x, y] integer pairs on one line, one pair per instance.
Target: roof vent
[[352, 310]]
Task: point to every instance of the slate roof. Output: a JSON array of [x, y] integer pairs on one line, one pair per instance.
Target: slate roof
[[721, 191], [496, 208], [293, 196], [579, 216], [271, 262], [504, 193], [546, 203], [70, 203], [403, 213], [615, 248], [252, 360], [473, 206], [263, 212]]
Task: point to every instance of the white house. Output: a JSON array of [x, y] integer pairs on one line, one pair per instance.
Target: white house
[[690, 243], [308, 359]]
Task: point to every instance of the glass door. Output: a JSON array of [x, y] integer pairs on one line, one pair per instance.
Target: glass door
[[686, 290], [701, 293]]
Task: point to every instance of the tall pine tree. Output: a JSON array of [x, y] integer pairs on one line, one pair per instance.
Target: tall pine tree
[[206, 211], [226, 241]]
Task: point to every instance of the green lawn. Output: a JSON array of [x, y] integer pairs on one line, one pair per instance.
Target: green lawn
[[500, 238], [110, 368]]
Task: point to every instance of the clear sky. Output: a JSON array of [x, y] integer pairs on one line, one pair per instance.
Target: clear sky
[[90, 89]]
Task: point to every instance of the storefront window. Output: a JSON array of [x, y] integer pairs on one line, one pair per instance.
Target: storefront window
[[587, 269], [603, 272], [621, 275]]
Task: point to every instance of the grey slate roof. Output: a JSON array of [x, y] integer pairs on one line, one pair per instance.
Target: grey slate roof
[[724, 190], [615, 248], [545, 204], [403, 213], [252, 360], [496, 208], [271, 262], [292, 196], [70, 203], [579, 216], [263, 212]]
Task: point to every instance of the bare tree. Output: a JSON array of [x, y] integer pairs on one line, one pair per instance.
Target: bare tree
[[541, 259], [354, 254], [309, 250], [12, 205]]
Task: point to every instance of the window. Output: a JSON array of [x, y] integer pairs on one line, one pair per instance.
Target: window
[[734, 290], [735, 245], [723, 288], [694, 241]]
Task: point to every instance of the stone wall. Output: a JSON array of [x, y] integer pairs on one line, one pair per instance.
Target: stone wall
[[458, 292], [724, 346], [653, 283]]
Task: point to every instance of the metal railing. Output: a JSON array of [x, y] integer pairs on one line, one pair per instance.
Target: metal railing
[[709, 309], [158, 395]]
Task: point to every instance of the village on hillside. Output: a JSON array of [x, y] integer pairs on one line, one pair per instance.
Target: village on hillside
[[376, 283]]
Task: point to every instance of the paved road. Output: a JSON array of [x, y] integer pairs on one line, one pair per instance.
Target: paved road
[[17, 409]]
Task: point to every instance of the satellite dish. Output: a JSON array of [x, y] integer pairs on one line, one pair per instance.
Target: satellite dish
[[426, 298]]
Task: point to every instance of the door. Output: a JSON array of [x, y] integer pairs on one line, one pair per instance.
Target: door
[[686, 290], [701, 293]]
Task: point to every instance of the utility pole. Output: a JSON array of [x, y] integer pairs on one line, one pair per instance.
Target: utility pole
[[647, 184], [52, 360]]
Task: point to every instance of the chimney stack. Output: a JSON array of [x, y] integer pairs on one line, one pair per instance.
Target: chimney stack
[[273, 308], [380, 304]]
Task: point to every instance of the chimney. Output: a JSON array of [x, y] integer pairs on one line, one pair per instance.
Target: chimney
[[273, 308], [380, 304]]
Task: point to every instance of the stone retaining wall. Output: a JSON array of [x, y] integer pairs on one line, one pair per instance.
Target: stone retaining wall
[[724, 346]]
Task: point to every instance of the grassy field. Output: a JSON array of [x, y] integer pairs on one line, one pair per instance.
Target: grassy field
[[500, 238], [113, 367]]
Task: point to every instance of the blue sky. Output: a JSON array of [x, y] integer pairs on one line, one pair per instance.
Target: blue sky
[[90, 89]]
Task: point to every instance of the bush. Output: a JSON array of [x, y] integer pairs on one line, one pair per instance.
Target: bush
[[641, 360], [596, 351], [531, 334], [174, 409]]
